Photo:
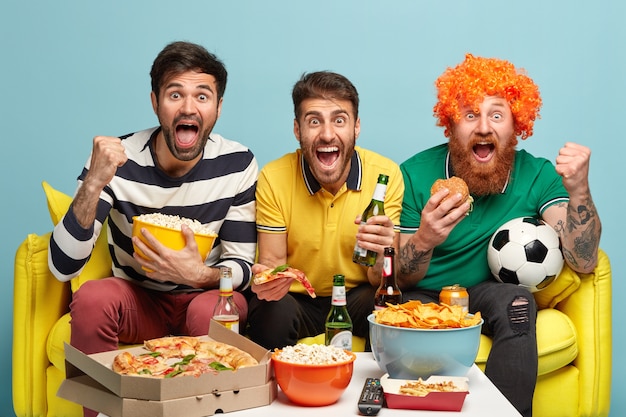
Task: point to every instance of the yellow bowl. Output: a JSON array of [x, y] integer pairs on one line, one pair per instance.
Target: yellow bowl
[[172, 238], [313, 385]]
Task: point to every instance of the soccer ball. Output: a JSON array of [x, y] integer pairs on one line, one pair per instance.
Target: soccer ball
[[527, 252]]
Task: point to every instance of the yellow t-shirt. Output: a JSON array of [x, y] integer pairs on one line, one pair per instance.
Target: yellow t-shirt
[[320, 226]]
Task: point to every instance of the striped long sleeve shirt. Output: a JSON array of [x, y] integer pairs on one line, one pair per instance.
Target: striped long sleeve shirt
[[218, 192]]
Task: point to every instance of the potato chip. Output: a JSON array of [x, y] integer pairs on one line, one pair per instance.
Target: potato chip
[[417, 315]]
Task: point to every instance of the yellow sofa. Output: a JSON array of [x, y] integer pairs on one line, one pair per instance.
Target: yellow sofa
[[573, 332]]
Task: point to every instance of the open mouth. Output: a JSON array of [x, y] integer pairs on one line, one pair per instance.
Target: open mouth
[[327, 155], [483, 151], [186, 134]]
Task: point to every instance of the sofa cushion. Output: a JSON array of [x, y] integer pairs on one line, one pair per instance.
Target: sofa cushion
[[99, 265], [566, 283], [557, 343], [55, 345]]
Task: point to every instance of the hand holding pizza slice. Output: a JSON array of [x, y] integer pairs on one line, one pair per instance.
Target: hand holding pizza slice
[[285, 271]]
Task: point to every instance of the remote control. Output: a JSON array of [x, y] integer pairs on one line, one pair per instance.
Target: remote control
[[371, 400]]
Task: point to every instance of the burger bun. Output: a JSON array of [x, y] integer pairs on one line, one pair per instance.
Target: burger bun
[[454, 185]]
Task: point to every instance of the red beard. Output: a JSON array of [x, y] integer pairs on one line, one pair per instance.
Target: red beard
[[483, 178]]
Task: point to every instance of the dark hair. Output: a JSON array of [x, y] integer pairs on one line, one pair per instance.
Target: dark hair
[[326, 85], [178, 57]]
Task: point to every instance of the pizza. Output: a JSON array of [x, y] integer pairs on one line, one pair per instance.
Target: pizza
[[171, 356], [285, 271]]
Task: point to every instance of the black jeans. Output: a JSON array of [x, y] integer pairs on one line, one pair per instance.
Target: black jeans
[[510, 315], [276, 324]]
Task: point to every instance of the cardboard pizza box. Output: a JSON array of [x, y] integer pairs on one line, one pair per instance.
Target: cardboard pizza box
[[89, 393], [99, 368]]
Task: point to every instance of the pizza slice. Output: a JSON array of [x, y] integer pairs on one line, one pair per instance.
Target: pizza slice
[[227, 355], [149, 364], [172, 346], [285, 271]]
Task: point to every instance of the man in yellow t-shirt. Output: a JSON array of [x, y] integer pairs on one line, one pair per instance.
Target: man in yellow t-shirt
[[309, 206]]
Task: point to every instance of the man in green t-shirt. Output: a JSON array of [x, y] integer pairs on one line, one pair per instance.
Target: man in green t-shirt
[[484, 105]]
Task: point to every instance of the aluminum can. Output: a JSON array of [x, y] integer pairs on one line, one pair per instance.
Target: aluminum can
[[455, 295]]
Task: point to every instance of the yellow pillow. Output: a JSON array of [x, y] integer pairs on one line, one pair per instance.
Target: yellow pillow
[[99, 265], [58, 202], [563, 286]]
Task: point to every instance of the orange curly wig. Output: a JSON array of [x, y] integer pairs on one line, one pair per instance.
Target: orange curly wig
[[468, 84]]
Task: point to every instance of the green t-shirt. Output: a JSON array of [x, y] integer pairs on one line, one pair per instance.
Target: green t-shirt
[[533, 186]]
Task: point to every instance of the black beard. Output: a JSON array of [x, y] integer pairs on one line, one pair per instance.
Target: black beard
[[183, 154]]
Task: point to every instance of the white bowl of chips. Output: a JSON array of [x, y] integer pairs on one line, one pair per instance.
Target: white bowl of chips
[[415, 340]]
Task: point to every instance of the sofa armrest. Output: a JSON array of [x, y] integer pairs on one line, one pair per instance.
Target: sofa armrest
[[589, 308], [39, 301]]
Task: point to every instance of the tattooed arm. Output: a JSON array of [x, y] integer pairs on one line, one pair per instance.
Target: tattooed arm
[[438, 218], [577, 222]]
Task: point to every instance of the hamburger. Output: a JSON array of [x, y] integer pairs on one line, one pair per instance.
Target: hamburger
[[454, 185]]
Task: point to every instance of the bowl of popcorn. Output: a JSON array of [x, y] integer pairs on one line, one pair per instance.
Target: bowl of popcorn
[[167, 230], [313, 375], [415, 340]]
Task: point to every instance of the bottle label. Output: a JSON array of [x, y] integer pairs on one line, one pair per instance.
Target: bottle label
[[379, 192], [359, 251], [338, 296], [342, 339], [226, 285], [387, 267]]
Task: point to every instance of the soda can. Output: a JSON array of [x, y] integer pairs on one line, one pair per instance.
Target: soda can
[[455, 295]]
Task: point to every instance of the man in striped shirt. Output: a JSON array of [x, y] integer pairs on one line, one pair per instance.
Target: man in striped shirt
[[179, 168]]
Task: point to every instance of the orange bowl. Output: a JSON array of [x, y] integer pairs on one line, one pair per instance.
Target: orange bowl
[[313, 385], [172, 238]]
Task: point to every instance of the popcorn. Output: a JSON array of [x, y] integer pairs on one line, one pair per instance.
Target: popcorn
[[175, 222], [312, 354]]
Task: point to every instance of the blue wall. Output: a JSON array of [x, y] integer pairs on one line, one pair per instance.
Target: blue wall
[[75, 69]]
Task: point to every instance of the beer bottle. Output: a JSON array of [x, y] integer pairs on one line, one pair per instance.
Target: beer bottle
[[338, 322], [388, 291], [376, 207], [225, 311]]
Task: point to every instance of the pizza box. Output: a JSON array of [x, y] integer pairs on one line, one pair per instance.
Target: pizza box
[[98, 367], [89, 393]]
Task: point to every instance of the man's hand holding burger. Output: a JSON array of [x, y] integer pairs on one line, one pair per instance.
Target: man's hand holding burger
[[449, 203]]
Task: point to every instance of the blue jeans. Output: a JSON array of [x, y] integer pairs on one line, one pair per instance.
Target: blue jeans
[[510, 315]]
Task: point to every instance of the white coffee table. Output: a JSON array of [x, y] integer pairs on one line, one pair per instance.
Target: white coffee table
[[483, 400]]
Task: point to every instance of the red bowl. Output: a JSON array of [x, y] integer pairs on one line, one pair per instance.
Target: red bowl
[[438, 401], [313, 385]]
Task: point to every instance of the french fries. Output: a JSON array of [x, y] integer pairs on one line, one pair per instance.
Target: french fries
[[415, 314]]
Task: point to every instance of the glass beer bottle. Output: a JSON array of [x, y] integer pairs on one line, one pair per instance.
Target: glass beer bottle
[[376, 207], [226, 312], [338, 322], [388, 292]]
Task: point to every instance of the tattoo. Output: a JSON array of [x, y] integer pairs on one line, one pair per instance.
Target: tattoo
[[583, 224], [559, 227], [585, 246], [411, 260]]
